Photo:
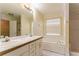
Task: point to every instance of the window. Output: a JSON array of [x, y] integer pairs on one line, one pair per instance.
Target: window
[[53, 26]]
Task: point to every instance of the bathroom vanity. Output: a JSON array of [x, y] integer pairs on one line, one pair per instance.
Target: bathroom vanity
[[21, 46]]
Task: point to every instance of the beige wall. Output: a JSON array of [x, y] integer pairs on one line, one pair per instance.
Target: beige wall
[[38, 23], [0, 23], [66, 28]]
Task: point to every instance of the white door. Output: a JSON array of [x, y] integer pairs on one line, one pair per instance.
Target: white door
[[13, 28]]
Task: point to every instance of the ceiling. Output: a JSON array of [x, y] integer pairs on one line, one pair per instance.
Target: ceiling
[[14, 8], [50, 10]]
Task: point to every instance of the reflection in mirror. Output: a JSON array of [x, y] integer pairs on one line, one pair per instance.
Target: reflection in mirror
[[15, 20]]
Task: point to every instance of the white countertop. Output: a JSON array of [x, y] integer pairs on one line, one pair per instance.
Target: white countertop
[[16, 41]]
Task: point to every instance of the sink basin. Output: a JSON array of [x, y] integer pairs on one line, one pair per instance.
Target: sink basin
[[13, 40], [4, 40]]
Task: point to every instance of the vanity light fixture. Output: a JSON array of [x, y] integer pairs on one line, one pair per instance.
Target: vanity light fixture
[[28, 6]]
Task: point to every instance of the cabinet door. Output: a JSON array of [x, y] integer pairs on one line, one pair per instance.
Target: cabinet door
[[26, 53], [38, 47], [32, 48], [17, 52]]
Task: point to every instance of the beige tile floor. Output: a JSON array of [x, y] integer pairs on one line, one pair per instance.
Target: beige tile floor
[[48, 53]]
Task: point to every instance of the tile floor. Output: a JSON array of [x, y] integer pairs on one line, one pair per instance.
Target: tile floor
[[48, 53]]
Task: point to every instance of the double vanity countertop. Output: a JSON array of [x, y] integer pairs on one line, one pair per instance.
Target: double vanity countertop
[[16, 42]]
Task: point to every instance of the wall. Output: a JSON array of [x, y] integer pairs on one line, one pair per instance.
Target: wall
[[38, 23], [74, 27], [59, 43], [66, 28], [0, 23], [0, 26]]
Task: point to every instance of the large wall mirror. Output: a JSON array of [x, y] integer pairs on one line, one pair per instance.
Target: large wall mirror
[[15, 19]]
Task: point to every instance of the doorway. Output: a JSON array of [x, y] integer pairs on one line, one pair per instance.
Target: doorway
[[4, 27]]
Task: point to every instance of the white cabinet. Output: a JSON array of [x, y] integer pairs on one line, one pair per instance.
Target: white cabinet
[[30, 49]]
